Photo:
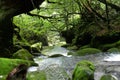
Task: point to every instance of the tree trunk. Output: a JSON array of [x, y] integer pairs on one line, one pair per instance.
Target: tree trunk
[[9, 9]]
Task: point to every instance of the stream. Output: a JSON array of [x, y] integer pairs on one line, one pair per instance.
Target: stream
[[61, 67]]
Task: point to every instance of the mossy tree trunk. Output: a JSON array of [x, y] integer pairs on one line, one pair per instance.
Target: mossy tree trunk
[[9, 9]]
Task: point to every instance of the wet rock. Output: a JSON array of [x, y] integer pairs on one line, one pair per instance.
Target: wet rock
[[55, 51], [107, 67], [56, 55]]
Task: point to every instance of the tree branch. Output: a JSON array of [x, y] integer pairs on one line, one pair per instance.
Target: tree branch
[[117, 8], [95, 12], [54, 2], [40, 16]]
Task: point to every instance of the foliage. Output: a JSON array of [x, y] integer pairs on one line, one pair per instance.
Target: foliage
[[93, 17], [31, 28]]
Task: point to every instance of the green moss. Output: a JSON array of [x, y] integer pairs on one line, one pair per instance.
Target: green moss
[[108, 46], [6, 65], [23, 54], [83, 73], [113, 50], [108, 77], [85, 46], [72, 48], [84, 70], [41, 75], [70, 53], [3, 77], [86, 64], [86, 51]]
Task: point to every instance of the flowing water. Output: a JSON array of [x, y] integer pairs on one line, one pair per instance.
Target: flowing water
[[61, 68]]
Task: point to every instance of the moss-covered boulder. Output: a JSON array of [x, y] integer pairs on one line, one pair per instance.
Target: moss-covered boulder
[[72, 47], [84, 70], [19, 44], [107, 38], [7, 65], [23, 54], [85, 46], [108, 77], [36, 47], [71, 53], [86, 51], [111, 45], [113, 50]]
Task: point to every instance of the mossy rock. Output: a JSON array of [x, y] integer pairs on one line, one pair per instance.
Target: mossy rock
[[85, 46], [46, 49], [113, 50], [41, 75], [23, 54], [108, 46], [23, 44], [86, 51], [71, 53], [107, 38], [36, 47], [108, 77], [72, 48], [86, 64], [6, 65], [84, 70]]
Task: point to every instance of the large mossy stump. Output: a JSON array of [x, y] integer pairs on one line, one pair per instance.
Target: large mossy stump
[[7, 65], [84, 70]]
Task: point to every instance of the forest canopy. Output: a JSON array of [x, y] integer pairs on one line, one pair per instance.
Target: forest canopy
[[80, 22], [78, 15]]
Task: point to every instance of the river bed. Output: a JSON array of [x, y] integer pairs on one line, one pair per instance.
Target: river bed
[[62, 67]]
